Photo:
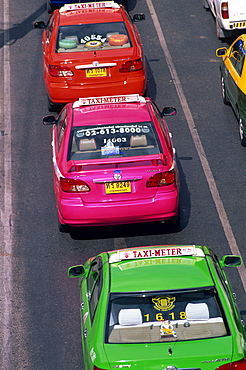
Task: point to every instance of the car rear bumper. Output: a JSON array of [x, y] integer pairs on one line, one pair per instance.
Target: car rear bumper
[[74, 213], [230, 25], [61, 92]]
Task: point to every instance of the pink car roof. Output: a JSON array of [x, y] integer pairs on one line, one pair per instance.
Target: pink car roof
[[111, 114]]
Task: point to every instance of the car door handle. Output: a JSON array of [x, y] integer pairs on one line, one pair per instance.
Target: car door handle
[[85, 333]]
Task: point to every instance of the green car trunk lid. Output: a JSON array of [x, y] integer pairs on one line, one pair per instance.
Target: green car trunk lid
[[204, 354]]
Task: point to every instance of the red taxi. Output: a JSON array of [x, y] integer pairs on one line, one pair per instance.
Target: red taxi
[[89, 48], [113, 162]]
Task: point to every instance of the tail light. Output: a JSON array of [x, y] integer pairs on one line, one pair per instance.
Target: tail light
[[224, 10], [74, 185], [97, 368], [131, 65], [60, 71], [237, 365], [161, 179]]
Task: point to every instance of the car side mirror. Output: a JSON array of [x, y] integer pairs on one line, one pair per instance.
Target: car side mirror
[[138, 17], [221, 51], [169, 111], [49, 120], [231, 261], [40, 25], [76, 271]]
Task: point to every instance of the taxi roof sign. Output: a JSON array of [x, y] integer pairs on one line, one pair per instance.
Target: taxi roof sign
[[155, 252], [94, 5], [109, 100]]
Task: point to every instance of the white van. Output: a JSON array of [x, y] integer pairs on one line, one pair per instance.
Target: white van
[[229, 15]]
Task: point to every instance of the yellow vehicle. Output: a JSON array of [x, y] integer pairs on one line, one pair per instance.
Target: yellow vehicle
[[233, 80]]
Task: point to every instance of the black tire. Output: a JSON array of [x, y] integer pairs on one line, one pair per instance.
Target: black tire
[[49, 7], [205, 4], [219, 30], [52, 107], [147, 91], [221, 33], [125, 4], [63, 228], [241, 133], [174, 223], [224, 93]]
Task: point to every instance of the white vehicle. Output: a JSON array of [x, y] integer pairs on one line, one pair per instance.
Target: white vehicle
[[229, 15]]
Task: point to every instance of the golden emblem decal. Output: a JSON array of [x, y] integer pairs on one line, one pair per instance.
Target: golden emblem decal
[[163, 303]]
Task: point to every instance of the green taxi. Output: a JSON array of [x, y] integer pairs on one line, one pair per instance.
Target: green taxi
[[159, 308], [233, 80]]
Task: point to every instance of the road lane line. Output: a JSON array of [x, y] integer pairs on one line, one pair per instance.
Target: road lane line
[[197, 142], [6, 214]]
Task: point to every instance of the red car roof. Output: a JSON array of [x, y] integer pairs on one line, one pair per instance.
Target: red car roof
[[90, 16]]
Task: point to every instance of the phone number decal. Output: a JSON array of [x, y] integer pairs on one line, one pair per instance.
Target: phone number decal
[[112, 130]]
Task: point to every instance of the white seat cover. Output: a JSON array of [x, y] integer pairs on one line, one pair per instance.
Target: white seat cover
[[130, 316]]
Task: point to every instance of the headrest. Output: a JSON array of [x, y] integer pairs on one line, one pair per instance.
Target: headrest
[[138, 140], [110, 34], [117, 39], [87, 144], [197, 311], [67, 44], [130, 316], [73, 38]]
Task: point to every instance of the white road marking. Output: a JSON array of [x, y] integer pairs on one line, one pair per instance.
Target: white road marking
[[196, 139], [6, 212]]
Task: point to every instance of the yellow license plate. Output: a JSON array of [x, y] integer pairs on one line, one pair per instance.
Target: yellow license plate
[[239, 24], [96, 72], [118, 187]]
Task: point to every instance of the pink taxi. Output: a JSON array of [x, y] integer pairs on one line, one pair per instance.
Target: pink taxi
[[113, 162]]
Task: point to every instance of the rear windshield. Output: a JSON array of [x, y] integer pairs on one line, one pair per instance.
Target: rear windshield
[[164, 317], [96, 36], [109, 141]]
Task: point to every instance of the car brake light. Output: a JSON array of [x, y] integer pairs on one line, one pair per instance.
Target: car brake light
[[237, 365], [131, 66], [60, 71], [161, 179], [224, 10], [97, 368], [74, 185]]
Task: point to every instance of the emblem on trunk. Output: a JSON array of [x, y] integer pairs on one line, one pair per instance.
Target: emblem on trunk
[[117, 174]]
